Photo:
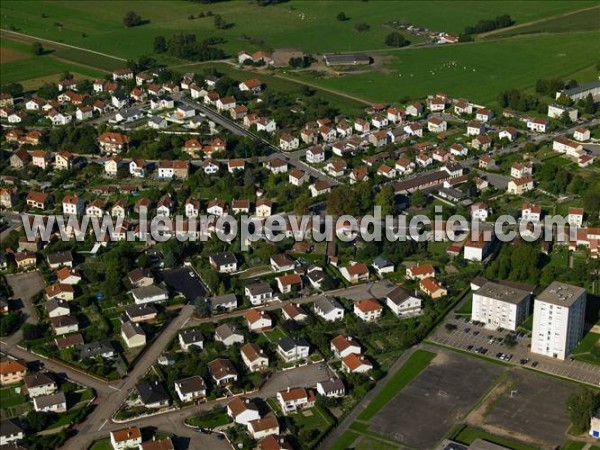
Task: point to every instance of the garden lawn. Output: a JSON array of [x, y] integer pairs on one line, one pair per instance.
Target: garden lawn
[[417, 362]]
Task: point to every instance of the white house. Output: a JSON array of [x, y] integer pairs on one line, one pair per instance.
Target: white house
[[126, 438], [328, 309], [190, 389], [402, 303], [258, 293]]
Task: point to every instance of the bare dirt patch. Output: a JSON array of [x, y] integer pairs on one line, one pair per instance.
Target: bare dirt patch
[[8, 55]]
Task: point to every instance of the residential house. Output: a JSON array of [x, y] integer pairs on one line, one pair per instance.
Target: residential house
[[436, 125], [254, 357], [191, 337], [315, 155], [258, 321], [228, 335], [149, 294], [288, 283], [433, 288], [332, 388], [537, 125], [292, 400], [258, 293], [243, 410], [152, 394], [225, 302], [64, 325], [12, 371], [355, 273], [222, 371], [368, 310], [224, 262], [354, 363], [402, 303], [418, 272], [520, 185], [133, 334], [293, 349], [328, 309], [190, 389], [53, 403], [126, 438], [141, 313]]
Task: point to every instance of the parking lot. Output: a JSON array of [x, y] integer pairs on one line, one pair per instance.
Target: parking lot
[[186, 282], [491, 343]]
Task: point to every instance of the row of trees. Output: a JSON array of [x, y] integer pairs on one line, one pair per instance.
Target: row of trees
[[186, 46], [485, 25]]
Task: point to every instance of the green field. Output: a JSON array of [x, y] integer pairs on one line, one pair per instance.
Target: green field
[[478, 71], [580, 21], [309, 24], [345, 441], [468, 434], [21, 65], [417, 362], [589, 349]]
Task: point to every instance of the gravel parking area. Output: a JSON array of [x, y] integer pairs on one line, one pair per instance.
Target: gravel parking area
[[534, 406], [425, 410]]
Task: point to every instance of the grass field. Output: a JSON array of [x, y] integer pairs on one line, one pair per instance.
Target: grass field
[[33, 71], [478, 71], [589, 349], [311, 24], [417, 362], [345, 441], [572, 445], [580, 21], [468, 434]]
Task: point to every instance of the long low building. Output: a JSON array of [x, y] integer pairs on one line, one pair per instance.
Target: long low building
[[346, 59]]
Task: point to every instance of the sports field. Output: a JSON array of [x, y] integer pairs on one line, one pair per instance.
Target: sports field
[[311, 25], [478, 71]]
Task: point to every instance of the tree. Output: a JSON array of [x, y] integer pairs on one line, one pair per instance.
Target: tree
[[160, 44], [385, 199], [361, 27], [341, 17], [132, 19], [418, 199], [220, 23], [563, 100], [580, 408], [395, 39], [37, 421], [37, 48], [589, 107]]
